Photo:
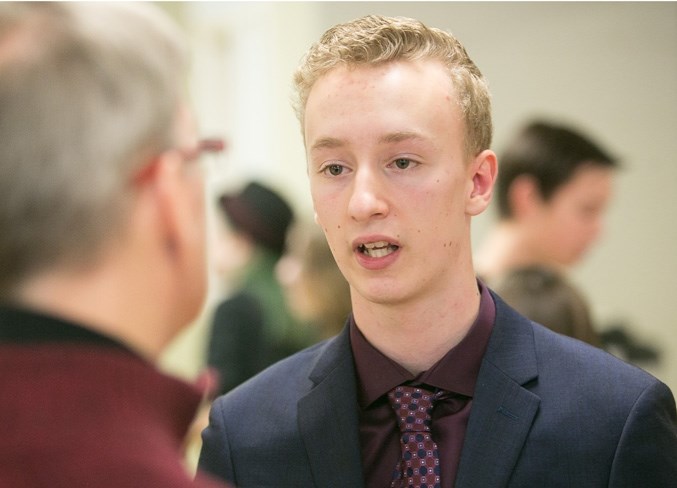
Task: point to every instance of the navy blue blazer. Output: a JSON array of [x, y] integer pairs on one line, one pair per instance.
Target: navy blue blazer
[[548, 411]]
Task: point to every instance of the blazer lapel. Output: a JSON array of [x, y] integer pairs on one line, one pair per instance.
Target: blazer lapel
[[502, 409], [328, 418]]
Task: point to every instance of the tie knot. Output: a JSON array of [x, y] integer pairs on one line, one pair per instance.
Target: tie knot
[[413, 407]]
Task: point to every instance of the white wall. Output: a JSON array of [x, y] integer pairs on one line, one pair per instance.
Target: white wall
[[610, 68]]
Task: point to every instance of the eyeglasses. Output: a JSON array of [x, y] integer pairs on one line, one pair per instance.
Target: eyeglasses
[[204, 146]]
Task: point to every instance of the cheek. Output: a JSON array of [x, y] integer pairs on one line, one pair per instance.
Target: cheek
[[329, 210], [323, 219], [571, 237], [444, 213], [578, 226], [320, 206]]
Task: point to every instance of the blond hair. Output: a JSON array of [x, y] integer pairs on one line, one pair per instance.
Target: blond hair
[[376, 40]]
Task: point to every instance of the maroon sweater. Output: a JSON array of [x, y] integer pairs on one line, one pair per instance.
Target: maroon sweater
[[79, 409]]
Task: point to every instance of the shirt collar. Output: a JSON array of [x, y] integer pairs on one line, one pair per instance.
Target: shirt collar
[[456, 371], [173, 401], [21, 325]]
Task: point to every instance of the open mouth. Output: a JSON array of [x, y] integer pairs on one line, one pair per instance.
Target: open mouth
[[377, 249]]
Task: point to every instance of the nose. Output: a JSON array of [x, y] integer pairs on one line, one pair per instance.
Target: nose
[[597, 228], [368, 198], [589, 234]]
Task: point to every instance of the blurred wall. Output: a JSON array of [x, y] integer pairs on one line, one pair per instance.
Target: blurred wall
[[608, 68]]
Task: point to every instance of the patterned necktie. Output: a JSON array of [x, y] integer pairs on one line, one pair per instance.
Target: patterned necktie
[[419, 466]]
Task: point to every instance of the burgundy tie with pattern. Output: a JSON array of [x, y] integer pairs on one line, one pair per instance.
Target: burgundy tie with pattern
[[419, 466]]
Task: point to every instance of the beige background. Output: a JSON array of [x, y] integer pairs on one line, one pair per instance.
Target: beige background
[[610, 68]]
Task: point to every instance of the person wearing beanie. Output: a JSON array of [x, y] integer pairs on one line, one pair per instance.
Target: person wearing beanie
[[253, 328]]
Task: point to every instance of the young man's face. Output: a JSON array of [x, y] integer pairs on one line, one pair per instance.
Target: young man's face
[[570, 221], [389, 179]]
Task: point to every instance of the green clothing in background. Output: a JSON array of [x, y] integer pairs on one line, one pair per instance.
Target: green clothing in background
[[253, 328]]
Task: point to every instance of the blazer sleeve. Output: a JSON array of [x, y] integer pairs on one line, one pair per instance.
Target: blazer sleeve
[[647, 451], [215, 458]]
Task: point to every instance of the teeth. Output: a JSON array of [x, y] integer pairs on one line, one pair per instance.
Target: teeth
[[377, 249], [374, 245], [378, 253]]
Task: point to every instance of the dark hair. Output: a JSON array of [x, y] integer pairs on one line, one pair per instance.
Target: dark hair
[[548, 153]]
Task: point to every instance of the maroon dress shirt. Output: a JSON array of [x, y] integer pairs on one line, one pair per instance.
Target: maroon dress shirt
[[456, 373]]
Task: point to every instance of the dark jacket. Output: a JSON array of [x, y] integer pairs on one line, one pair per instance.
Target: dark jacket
[[548, 411]]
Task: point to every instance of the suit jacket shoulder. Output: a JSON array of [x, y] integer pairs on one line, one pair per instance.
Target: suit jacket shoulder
[[549, 410], [297, 418]]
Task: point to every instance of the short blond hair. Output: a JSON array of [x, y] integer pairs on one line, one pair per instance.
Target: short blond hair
[[376, 40]]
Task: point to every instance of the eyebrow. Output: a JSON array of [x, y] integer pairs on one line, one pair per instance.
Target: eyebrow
[[399, 137], [332, 142], [327, 143]]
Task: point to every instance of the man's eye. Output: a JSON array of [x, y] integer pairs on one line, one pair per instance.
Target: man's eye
[[402, 163], [334, 169]]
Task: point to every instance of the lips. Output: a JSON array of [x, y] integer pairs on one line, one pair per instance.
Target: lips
[[378, 249]]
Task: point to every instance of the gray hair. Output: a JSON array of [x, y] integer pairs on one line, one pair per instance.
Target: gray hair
[[88, 93], [376, 40]]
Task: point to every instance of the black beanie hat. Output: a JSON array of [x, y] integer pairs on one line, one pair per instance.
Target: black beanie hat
[[261, 213]]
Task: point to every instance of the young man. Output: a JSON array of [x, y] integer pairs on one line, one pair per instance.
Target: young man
[[101, 244], [397, 128], [553, 189]]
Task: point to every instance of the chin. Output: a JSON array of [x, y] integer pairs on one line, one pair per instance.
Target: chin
[[382, 294]]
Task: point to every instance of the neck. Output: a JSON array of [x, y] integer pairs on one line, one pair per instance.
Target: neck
[[506, 247], [417, 335], [105, 299]]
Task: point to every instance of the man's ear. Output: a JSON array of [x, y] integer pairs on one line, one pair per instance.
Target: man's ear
[[482, 171], [523, 195], [169, 198]]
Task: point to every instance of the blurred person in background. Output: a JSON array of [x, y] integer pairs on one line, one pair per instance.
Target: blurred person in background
[[545, 295], [553, 189], [317, 293], [102, 246], [253, 327]]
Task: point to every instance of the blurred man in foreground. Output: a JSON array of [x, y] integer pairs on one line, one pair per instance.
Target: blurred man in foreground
[[101, 245]]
